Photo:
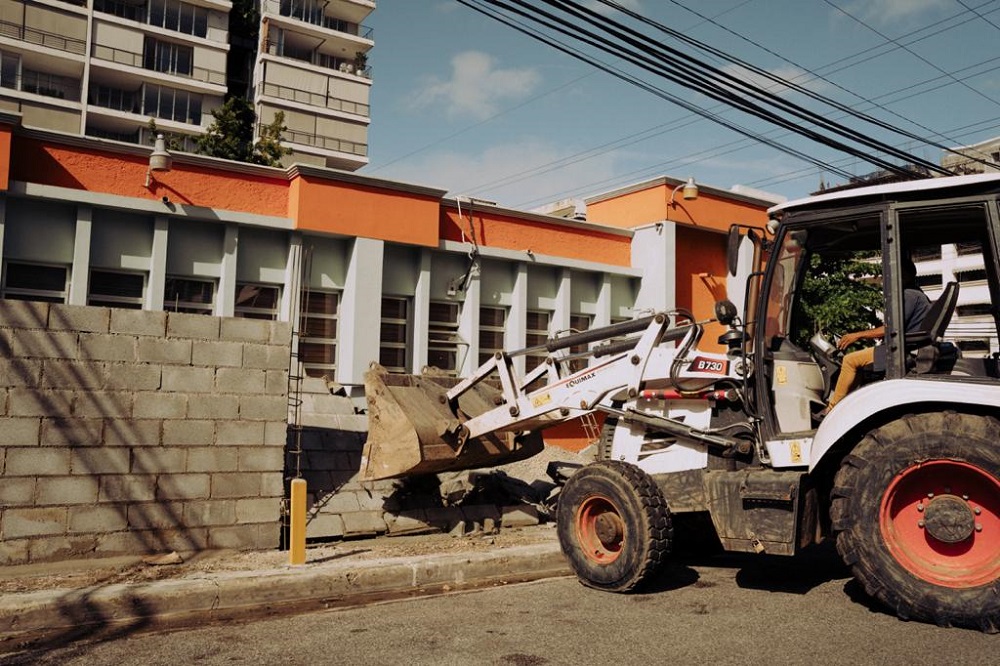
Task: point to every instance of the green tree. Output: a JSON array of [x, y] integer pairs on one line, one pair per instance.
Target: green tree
[[230, 136], [840, 293], [268, 149]]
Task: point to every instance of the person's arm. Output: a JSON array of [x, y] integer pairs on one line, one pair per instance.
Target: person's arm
[[848, 339]]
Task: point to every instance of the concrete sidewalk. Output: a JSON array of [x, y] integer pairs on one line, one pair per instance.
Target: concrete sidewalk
[[47, 606]]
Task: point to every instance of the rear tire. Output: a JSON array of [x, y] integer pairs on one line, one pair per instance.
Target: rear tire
[[917, 509], [614, 525]]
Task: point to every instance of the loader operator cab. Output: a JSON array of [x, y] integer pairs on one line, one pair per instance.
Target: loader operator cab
[[830, 272]]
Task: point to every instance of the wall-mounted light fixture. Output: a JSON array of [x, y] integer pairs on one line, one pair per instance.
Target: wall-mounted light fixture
[[689, 191], [159, 159]]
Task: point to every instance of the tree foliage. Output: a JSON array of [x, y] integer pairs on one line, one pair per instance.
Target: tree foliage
[[840, 293], [230, 136]]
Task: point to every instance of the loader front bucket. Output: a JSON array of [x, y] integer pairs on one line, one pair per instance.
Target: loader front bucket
[[413, 430]]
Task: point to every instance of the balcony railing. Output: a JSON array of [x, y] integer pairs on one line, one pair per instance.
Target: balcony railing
[[142, 136], [323, 142], [125, 10], [313, 99], [316, 58], [132, 59], [116, 99], [312, 12], [48, 85], [48, 39]]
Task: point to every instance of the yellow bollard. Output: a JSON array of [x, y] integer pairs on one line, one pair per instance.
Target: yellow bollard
[[297, 524]]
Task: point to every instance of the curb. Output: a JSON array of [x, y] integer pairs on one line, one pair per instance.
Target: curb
[[63, 615]]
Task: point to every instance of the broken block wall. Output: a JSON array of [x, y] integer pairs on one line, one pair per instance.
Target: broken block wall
[[129, 432]]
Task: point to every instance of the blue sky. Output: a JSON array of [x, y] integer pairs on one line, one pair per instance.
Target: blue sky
[[464, 103]]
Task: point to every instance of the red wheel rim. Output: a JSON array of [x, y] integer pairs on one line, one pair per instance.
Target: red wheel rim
[[941, 521], [600, 529]]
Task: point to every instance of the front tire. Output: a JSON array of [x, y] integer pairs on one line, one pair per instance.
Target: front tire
[[614, 525], [917, 509]]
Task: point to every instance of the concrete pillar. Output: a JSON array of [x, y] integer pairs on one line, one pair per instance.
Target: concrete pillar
[[290, 298], [468, 327], [653, 251], [517, 318], [420, 317], [157, 265], [602, 312], [360, 311], [564, 301], [80, 274], [226, 302]]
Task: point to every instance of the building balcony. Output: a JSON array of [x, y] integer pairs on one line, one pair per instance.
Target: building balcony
[[293, 51], [47, 85], [287, 94], [324, 143], [318, 14], [42, 38], [169, 66]]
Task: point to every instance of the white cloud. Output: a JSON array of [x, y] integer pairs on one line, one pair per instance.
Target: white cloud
[[885, 12], [477, 87]]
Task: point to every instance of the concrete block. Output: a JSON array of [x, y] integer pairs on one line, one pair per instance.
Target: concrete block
[[162, 350], [239, 380], [409, 522], [38, 402], [214, 512], [72, 432], [214, 407], [19, 523], [183, 486], [325, 403], [103, 404], [45, 344], [132, 377], [99, 460], [17, 491], [37, 462], [276, 382], [79, 318], [22, 372], [24, 314], [155, 515], [261, 510], [370, 501], [138, 322], [445, 517], [72, 374], [159, 460], [339, 503], [186, 379], [128, 488], [272, 484], [275, 434], [265, 357], [106, 347], [217, 354], [156, 405], [364, 523], [14, 551], [239, 537], [226, 485], [212, 459], [324, 526], [19, 431], [119, 543], [66, 490], [481, 513], [520, 515], [281, 333], [239, 433], [188, 433], [133, 432], [62, 548], [239, 329], [180, 539], [100, 518], [260, 459], [197, 326], [263, 408]]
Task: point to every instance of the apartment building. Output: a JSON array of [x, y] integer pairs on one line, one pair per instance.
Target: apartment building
[[107, 68]]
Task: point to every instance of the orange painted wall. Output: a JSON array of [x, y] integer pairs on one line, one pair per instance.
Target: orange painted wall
[[5, 145], [650, 205], [701, 278], [502, 231], [357, 210], [125, 175]]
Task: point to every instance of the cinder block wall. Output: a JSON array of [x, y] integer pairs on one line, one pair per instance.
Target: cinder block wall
[[127, 432]]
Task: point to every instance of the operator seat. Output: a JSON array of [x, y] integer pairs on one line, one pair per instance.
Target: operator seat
[[929, 355]]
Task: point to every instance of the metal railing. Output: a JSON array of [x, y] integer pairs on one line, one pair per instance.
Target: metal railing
[[316, 58], [125, 10], [116, 99], [47, 39], [312, 13], [313, 99], [47, 85], [324, 142], [133, 59]]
